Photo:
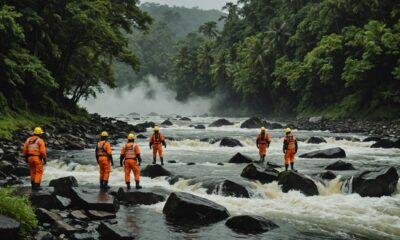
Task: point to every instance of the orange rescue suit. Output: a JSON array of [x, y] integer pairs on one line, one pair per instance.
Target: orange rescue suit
[[130, 153], [156, 140], [35, 152], [263, 143], [289, 148], [103, 153]]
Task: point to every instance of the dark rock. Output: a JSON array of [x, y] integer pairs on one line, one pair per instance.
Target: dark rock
[[82, 236], [78, 214], [316, 140], [250, 224], [351, 139], [328, 175], [44, 198], [141, 136], [372, 139], [176, 178], [188, 208], [273, 125], [45, 216], [93, 200], [167, 123], [326, 153], [240, 158], [108, 231], [43, 235], [200, 126], [291, 180], [226, 188], [220, 123], [63, 227], [185, 119], [220, 164], [252, 123], [72, 145], [387, 143], [1, 153], [9, 228], [315, 119], [190, 163], [62, 186], [376, 184], [21, 171], [61, 202], [171, 161], [255, 172], [230, 142], [100, 215], [6, 167], [154, 171], [340, 165], [139, 197]]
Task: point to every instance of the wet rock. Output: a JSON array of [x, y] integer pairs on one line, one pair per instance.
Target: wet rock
[[328, 175], [315, 119], [372, 139], [230, 142], [214, 140], [167, 123], [326, 153], [316, 140], [93, 200], [1, 153], [142, 126], [340, 165], [270, 125], [6, 167], [64, 228], [220, 122], [61, 202], [43, 235], [171, 161], [9, 228], [188, 208], [226, 188], [255, 172], [220, 164], [100, 215], [154, 171], [253, 122], [78, 214], [200, 126], [139, 197], [62, 186], [176, 178], [250, 224], [185, 119], [351, 139], [190, 163], [21, 171], [240, 158], [44, 198], [376, 184], [290, 180], [108, 231], [45, 216], [82, 236], [387, 143]]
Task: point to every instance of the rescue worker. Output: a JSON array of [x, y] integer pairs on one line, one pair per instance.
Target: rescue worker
[[262, 142], [35, 155], [131, 153], [104, 158], [289, 148], [155, 142]]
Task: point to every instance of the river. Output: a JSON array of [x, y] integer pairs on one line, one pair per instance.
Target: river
[[334, 214]]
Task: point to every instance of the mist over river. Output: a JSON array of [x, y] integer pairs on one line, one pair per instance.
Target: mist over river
[[334, 214]]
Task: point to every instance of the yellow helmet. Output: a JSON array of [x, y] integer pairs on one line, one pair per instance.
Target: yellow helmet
[[288, 130], [38, 131], [131, 136], [263, 129], [104, 134], [156, 128]]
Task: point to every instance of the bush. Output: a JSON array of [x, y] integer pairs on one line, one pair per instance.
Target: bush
[[18, 208]]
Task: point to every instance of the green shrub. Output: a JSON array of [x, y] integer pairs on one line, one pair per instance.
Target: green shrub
[[18, 208]]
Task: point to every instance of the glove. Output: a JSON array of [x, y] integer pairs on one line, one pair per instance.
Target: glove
[[140, 162], [44, 161], [120, 163]]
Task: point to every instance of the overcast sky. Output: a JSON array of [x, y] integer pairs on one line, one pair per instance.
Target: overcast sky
[[204, 4]]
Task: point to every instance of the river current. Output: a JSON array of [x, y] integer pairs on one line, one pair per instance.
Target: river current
[[334, 214]]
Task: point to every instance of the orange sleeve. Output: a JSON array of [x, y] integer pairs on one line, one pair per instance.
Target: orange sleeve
[[25, 150], [123, 151], [137, 149], [107, 147], [42, 148]]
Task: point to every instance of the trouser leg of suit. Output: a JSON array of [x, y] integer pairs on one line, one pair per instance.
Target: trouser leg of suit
[[105, 168], [136, 171], [157, 148], [289, 156], [36, 169], [131, 165], [262, 150]]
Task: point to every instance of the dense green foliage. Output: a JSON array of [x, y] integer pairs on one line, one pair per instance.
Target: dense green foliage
[[18, 208], [53, 53], [338, 58]]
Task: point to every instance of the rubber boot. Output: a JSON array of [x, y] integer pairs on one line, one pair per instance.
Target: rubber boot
[[162, 161], [37, 187], [292, 167], [286, 167], [32, 185], [128, 185], [138, 185], [154, 160], [101, 184], [105, 186]]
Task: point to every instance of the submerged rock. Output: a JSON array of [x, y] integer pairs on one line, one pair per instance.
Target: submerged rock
[[340, 165], [240, 158], [255, 172], [316, 140], [290, 180], [108, 231], [325, 153], [226, 188], [139, 197], [230, 142], [154, 171], [328, 175], [200, 126], [187, 208], [250, 224], [377, 183], [220, 123], [387, 143], [372, 139], [9, 228]]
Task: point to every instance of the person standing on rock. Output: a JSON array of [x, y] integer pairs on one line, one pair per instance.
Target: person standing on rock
[[35, 155], [131, 154], [156, 142], [262, 142], [289, 148], [104, 159]]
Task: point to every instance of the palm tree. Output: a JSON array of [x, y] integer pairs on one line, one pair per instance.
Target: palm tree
[[209, 29]]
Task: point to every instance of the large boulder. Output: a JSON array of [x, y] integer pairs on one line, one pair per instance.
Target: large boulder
[[316, 140], [220, 123], [62, 186], [372, 139], [45, 198], [377, 183], [139, 197], [226, 188], [6, 167], [255, 172], [240, 158], [188, 208], [253, 122], [326, 153], [250, 224], [93, 200], [108, 231], [9, 228], [230, 142], [290, 180], [328, 175], [167, 123], [387, 143], [21, 171], [154, 171], [340, 165]]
